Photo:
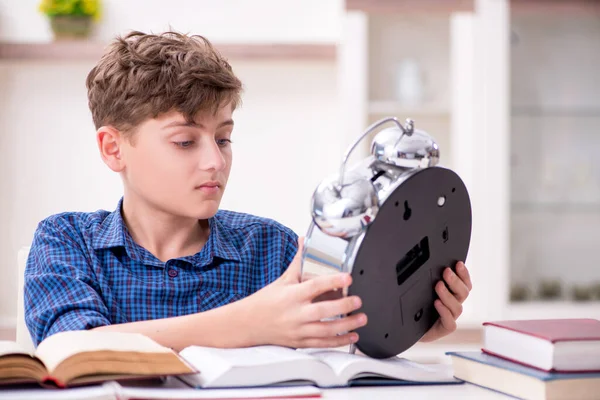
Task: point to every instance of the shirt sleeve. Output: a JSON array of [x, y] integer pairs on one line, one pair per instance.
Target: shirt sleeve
[[60, 291], [291, 247]]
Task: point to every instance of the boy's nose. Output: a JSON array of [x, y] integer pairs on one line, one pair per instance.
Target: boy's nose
[[211, 158]]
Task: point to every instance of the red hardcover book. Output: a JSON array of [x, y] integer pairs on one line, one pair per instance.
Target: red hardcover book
[[561, 345]]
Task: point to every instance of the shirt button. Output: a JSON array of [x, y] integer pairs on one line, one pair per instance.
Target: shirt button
[[172, 273]]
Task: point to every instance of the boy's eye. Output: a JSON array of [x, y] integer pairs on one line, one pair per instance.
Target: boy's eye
[[185, 144], [223, 142]]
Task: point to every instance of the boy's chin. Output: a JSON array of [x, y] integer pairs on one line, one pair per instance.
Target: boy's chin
[[204, 211]]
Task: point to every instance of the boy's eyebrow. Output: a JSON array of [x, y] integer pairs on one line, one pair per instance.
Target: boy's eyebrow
[[196, 125]]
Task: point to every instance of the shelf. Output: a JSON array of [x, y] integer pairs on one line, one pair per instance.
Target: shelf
[[553, 309], [555, 207], [563, 7], [532, 111], [87, 50], [411, 6], [400, 110]]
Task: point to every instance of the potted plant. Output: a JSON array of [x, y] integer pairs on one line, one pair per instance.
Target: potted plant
[[550, 289], [582, 292], [519, 292], [71, 19]]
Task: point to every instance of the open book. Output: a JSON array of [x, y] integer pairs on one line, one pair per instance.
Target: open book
[[81, 357], [274, 365]]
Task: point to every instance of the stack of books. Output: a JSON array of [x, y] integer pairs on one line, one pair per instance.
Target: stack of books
[[536, 359]]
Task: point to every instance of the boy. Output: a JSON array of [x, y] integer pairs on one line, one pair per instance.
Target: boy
[[167, 263]]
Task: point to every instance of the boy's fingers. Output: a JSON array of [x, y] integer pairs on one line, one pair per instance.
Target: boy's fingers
[[463, 273], [448, 299], [456, 285], [327, 309], [336, 341], [446, 319], [317, 286], [335, 327]]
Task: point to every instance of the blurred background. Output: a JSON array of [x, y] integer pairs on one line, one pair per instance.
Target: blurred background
[[509, 89]]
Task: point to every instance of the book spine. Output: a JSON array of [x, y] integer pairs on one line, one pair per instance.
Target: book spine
[[51, 382]]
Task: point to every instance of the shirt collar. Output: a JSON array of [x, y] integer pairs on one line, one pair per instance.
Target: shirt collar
[[113, 233], [220, 242]]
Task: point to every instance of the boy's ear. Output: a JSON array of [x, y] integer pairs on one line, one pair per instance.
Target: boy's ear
[[109, 142]]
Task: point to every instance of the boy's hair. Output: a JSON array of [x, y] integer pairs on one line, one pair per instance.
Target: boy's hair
[[144, 75]]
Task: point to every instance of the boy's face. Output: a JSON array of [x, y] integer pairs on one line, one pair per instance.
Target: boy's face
[[179, 168]]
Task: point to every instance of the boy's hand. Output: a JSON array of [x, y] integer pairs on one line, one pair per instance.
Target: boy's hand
[[449, 304], [283, 313]]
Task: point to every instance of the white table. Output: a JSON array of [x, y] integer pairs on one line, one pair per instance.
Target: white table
[[447, 392]]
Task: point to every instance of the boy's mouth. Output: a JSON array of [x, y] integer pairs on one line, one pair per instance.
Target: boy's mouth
[[210, 184], [209, 187]]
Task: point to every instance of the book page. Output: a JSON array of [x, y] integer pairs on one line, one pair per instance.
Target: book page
[[59, 347], [246, 357], [339, 361], [8, 347], [352, 366], [253, 366], [17, 365]]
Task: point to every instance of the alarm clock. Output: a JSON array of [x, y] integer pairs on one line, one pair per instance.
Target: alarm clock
[[394, 221]]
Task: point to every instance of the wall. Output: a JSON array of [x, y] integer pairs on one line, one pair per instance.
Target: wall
[[555, 177], [286, 136], [220, 20]]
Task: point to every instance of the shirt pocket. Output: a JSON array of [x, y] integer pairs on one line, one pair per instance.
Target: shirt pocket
[[144, 273], [226, 277]]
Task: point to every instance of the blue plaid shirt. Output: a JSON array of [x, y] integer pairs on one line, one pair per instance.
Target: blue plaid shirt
[[84, 270]]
